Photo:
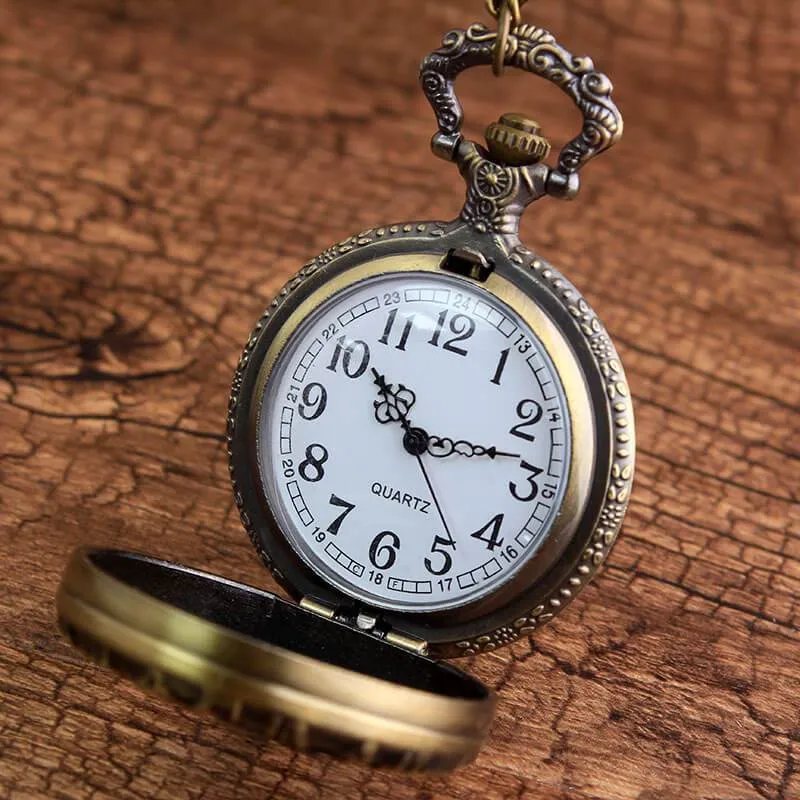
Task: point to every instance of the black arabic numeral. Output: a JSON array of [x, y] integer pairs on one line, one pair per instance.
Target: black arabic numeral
[[388, 327], [490, 538], [461, 325], [333, 528], [387, 331], [355, 359], [434, 340], [315, 401], [509, 553], [384, 550], [447, 560], [534, 489], [531, 412], [501, 365], [311, 469]]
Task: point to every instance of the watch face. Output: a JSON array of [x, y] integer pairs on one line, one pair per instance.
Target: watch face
[[413, 441]]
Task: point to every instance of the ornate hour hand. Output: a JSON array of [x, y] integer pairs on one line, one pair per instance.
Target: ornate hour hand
[[396, 404], [442, 447], [395, 407]]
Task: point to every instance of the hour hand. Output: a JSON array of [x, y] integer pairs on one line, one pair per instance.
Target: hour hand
[[442, 447], [395, 403]]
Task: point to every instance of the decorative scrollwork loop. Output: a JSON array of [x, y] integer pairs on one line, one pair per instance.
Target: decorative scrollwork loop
[[534, 50]]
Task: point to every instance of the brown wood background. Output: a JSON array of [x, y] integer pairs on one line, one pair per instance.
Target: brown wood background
[[166, 164]]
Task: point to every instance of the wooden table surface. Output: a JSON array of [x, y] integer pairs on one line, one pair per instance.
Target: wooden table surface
[[166, 165]]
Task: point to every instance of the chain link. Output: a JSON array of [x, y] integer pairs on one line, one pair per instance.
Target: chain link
[[496, 7], [508, 16]]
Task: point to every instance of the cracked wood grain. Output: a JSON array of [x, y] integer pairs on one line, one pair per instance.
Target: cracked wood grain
[[164, 166]]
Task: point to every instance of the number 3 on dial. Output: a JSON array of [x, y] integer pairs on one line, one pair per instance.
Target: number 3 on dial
[[534, 488]]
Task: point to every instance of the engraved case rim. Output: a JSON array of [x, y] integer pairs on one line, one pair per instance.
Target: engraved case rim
[[218, 645], [517, 609]]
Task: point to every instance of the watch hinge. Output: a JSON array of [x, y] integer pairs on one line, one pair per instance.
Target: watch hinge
[[368, 623], [418, 646], [317, 607]]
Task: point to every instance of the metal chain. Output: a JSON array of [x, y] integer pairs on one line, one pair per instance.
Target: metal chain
[[508, 15], [495, 8]]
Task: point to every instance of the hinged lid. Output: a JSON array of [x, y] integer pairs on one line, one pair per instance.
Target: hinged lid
[[280, 670]]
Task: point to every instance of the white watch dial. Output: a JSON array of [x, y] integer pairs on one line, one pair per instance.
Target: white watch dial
[[414, 441]]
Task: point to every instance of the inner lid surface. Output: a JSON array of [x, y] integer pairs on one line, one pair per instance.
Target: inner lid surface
[[262, 616]]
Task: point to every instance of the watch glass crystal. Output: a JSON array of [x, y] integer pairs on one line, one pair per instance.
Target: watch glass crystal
[[413, 441]]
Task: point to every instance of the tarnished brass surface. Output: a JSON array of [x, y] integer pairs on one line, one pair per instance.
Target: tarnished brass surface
[[606, 463], [304, 702], [382, 710], [507, 13], [516, 140], [533, 50]]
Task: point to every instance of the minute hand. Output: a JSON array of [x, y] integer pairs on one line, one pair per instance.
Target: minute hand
[[394, 408], [442, 447]]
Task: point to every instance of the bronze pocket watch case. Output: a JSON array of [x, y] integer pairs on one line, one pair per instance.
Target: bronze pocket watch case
[[431, 446]]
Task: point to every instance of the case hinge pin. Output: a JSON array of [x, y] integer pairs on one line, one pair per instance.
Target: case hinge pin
[[418, 646], [316, 607], [366, 622]]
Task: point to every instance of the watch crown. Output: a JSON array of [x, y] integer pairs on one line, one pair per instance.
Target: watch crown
[[516, 140]]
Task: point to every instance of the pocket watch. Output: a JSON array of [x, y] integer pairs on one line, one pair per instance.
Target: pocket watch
[[431, 446]]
